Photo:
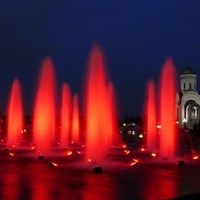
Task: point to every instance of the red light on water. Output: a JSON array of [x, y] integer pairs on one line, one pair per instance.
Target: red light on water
[[89, 160], [124, 146]]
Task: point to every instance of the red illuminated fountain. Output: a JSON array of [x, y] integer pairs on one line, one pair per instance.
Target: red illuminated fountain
[[98, 108], [151, 117], [44, 110], [115, 139], [15, 115], [65, 114], [167, 111], [75, 120]]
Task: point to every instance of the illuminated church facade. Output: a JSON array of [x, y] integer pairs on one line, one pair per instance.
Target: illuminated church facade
[[188, 100]]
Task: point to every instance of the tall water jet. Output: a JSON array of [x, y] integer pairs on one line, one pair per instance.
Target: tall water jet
[[114, 139], [75, 120], [97, 107], [167, 110], [65, 114], [151, 117], [44, 110], [15, 115]]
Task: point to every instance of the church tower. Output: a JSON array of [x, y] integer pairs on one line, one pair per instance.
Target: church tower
[[188, 99], [188, 80]]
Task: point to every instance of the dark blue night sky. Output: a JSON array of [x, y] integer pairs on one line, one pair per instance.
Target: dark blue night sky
[[136, 36]]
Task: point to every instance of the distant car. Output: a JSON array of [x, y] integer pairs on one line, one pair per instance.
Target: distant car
[[133, 134]]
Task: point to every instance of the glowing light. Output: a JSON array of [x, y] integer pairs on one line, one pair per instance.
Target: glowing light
[[11, 154], [124, 146], [134, 162], [83, 146], [126, 151], [69, 153], [124, 124], [140, 136], [54, 164], [195, 157], [184, 120], [153, 154], [158, 126], [142, 149], [32, 148], [78, 152], [89, 160]]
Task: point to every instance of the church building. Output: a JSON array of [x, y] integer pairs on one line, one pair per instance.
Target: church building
[[188, 100]]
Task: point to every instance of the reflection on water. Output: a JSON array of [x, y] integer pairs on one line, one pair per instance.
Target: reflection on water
[[99, 186], [30, 178], [9, 186], [161, 183]]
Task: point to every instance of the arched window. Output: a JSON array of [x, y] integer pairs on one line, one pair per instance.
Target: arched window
[[194, 113]]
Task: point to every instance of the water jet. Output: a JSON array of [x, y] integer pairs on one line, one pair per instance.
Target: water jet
[[44, 109], [98, 110]]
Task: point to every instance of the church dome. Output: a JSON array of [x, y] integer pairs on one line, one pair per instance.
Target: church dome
[[188, 70]]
